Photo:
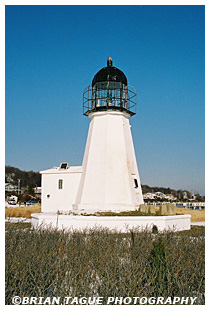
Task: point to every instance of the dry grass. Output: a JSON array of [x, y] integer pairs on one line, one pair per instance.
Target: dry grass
[[26, 211], [196, 215], [102, 263], [23, 211]]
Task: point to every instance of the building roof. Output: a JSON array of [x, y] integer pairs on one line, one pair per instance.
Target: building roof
[[109, 73], [58, 170]]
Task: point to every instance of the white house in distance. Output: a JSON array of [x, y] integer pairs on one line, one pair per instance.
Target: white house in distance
[[158, 195], [108, 178]]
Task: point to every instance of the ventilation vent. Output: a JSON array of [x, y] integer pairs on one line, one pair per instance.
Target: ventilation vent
[[64, 165]]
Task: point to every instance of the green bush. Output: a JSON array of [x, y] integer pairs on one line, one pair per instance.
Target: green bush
[[52, 263], [154, 229]]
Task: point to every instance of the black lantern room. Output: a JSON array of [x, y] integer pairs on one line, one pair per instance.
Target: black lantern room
[[109, 90]]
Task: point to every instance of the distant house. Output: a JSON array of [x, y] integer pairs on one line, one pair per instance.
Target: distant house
[[193, 196], [170, 197], [38, 192], [9, 187], [184, 195], [149, 196], [160, 195]]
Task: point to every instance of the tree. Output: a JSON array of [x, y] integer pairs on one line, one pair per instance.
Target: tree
[[31, 189]]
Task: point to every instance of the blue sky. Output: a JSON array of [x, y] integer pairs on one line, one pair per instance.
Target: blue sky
[[52, 54]]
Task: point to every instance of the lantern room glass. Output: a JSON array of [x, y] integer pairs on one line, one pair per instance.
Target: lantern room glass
[[109, 95]]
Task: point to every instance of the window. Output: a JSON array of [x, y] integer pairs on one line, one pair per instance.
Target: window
[[60, 185], [136, 183]]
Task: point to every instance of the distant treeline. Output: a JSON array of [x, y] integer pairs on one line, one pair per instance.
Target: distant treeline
[[27, 178], [30, 178]]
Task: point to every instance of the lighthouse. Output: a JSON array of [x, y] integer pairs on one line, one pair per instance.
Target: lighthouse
[[110, 179]]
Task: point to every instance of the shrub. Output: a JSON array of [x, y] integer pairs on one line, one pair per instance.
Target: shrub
[[157, 261], [154, 229], [99, 262]]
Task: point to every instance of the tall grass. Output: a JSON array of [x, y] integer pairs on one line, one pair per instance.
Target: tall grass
[[23, 211], [196, 215], [98, 262]]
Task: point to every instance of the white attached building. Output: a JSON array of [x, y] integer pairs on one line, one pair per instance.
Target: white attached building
[[59, 187]]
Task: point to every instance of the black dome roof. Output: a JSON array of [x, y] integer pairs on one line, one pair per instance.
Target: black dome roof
[[109, 73]]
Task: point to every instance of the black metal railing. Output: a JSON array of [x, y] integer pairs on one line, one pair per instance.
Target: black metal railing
[[113, 97]]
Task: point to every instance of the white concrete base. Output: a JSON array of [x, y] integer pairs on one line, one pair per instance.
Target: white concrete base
[[93, 208], [119, 223]]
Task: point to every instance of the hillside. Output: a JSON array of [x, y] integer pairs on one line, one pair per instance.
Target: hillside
[[28, 178]]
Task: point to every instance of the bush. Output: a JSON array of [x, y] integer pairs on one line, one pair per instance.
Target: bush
[[154, 229], [98, 262]]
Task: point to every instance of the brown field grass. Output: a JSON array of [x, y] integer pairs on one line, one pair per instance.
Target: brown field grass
[[196, 215], [22, 211], [26, 211]]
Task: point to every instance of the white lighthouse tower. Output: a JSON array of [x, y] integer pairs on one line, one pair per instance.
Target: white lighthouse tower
[[110, 178]]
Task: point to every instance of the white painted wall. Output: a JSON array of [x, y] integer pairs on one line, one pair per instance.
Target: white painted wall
[[121, 223], [53, 198], [109, 165]]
